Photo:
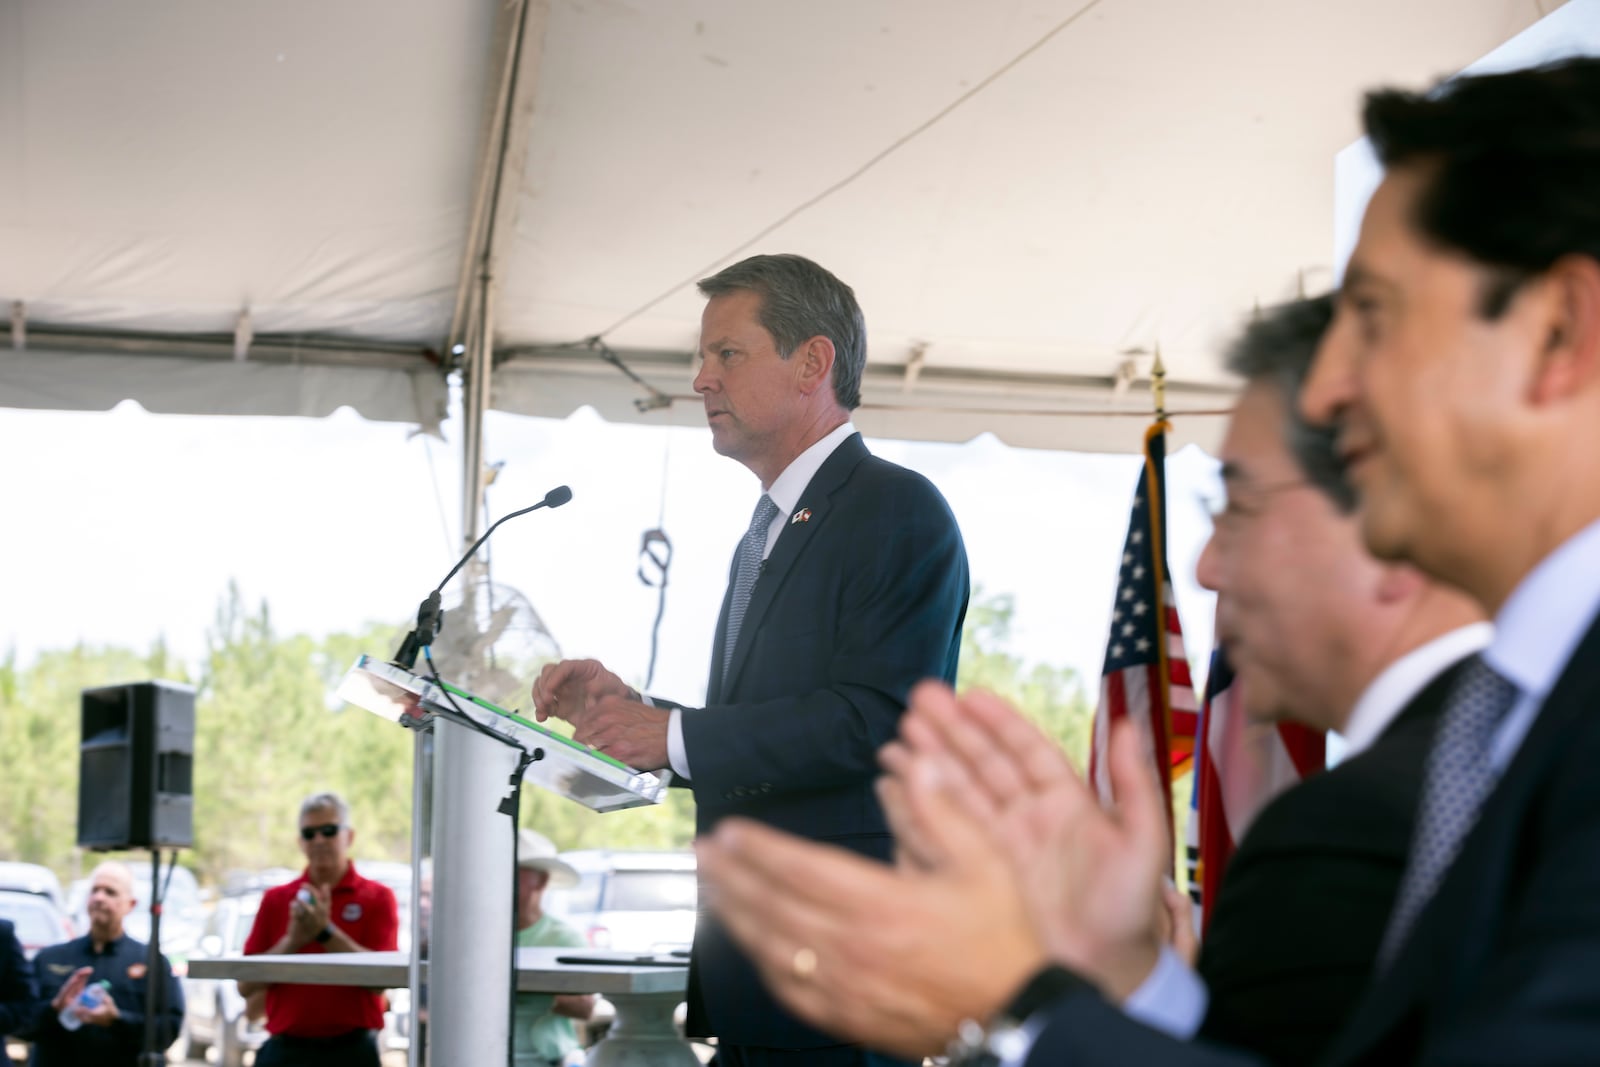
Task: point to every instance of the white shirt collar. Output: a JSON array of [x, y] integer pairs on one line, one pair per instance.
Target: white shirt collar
[[1540, 624], [786, 490], [1399, 683]]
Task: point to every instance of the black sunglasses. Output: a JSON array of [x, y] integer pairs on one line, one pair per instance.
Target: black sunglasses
[[327, 829]]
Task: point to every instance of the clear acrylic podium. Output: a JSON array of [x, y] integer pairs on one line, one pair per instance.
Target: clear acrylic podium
[[466, 752]]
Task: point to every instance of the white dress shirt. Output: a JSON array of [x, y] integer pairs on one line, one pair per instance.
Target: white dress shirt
[[1174, 998], [785, 492], [1398, 683], [1538, 629]]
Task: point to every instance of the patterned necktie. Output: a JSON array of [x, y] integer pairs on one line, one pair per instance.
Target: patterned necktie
[[751, 548], [1455, 784]]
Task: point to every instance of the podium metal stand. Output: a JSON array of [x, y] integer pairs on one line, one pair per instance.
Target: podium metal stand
[[469, 964]]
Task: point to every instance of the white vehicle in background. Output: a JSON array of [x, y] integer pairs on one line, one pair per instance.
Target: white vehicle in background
[[630, 901], [33, 878], [39, 923]]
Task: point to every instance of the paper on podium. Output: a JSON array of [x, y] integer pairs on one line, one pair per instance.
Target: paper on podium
[[565, 767]]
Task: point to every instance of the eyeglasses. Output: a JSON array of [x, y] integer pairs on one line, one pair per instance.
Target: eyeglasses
[[327, 829], [1227, 508]]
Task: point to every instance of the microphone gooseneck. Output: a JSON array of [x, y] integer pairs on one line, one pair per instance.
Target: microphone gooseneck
[[429, 617]]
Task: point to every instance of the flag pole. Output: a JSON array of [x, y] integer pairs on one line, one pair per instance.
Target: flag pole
[[1155, 464], [1158, 385]]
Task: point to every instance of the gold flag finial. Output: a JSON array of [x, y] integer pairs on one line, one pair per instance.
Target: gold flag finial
[[1158, 384]]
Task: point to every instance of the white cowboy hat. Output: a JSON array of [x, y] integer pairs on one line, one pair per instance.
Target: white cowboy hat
[[537, 853]]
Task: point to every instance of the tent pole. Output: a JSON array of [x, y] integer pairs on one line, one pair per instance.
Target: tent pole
[[470, 948], [471, 944], [518, 47], [475, 391]]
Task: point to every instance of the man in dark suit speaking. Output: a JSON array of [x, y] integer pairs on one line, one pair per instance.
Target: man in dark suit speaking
[[849, 587]]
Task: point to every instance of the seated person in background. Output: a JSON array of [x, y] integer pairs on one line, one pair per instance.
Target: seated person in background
[[542, 1034], [329, 908], [111, 1033]]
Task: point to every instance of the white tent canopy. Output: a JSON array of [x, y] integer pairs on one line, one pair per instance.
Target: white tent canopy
[[277, 209]]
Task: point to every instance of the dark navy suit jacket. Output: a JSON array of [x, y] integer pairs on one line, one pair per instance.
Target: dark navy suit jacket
[[1305, 901], [1503, 965], [862, 596]]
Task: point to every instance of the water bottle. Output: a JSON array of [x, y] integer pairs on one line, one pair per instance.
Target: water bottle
[[88, 1000]]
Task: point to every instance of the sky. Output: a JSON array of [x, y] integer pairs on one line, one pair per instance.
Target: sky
[[127, 526]]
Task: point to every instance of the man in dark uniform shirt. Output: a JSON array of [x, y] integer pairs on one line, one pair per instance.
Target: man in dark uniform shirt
[[112, 1032]]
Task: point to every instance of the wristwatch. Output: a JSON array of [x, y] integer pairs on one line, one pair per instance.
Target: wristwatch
[[324, 934], [1004, 1039]]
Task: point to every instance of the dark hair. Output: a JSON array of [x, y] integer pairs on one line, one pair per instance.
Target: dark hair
[[1277, 348], [1512, 163], [799, 301]]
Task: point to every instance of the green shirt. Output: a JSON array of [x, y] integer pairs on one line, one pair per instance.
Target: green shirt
[[537, 1035]]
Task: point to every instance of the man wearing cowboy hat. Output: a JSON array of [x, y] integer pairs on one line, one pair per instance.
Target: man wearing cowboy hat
[[542, 1033]]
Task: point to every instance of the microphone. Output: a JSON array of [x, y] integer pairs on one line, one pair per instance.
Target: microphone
[[429, 617]]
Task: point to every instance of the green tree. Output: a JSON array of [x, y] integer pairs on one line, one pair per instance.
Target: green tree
[[269, 732], [1052, 697]]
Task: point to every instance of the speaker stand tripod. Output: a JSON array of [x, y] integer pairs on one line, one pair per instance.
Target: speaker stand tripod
[[156, 973]]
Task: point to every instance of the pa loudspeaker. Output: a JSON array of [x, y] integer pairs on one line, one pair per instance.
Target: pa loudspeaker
[[136, 767]]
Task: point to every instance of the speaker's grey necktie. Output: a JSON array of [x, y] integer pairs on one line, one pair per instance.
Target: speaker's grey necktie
[[1455, 784], [751, 548]]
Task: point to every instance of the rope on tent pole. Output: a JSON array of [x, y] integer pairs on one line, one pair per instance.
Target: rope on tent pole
[[655, 549]]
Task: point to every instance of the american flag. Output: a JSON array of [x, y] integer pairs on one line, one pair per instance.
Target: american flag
[[1146, 675], [1241, 766]]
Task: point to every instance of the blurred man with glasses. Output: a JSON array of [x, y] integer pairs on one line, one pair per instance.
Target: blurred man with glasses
[[329, 908]]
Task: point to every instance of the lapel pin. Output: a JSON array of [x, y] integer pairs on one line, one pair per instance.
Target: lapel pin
[[803, 515]]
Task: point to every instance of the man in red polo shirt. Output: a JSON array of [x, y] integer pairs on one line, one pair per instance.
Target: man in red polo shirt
[[329, 908]]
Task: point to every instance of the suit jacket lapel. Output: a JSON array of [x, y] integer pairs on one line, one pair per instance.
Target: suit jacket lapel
[[796, 534], [1461, 925]]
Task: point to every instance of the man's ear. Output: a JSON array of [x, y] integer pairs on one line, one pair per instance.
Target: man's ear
[[814, 364], [1570, 361]]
